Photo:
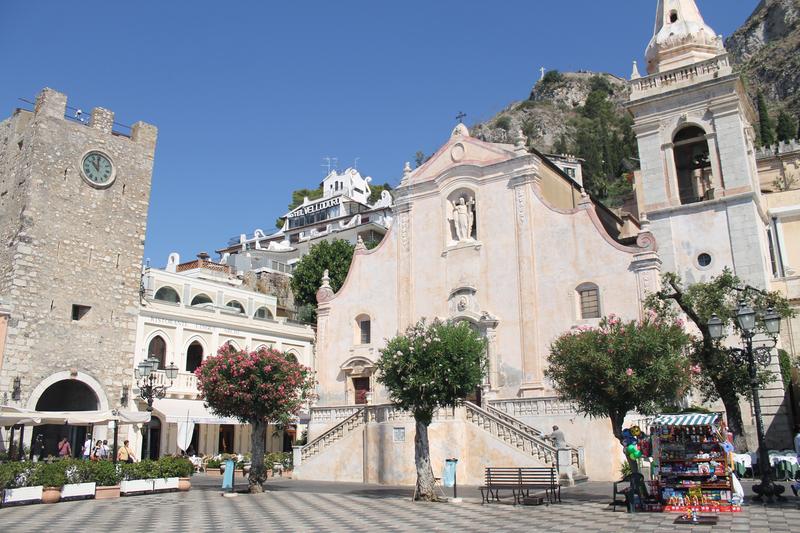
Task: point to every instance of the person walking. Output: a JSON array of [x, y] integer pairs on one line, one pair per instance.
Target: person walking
[[104, 451], [98, 448], [558, 438], [64, 449], [125, 453], [86, 451]]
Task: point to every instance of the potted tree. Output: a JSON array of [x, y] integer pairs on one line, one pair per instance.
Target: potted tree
[[51, 476], [107, 477]]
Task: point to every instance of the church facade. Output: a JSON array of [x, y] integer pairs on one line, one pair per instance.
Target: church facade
[[502, 238]]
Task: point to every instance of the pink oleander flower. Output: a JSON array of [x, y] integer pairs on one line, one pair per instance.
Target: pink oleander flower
[[629, 372]]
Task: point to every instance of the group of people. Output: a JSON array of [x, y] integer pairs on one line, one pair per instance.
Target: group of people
[[99, 451]]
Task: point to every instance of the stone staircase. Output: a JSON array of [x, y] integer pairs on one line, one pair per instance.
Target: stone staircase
[[524, 437], [496, 422], [334, 434]]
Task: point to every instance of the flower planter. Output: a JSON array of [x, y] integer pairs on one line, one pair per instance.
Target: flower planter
[[184, 484], [213, 472], [23, 494], [105, 493], [164, 484], [77, 490], [136, 486], [51, 494]]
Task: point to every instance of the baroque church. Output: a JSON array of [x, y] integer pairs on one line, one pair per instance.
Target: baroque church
[[499, 236]]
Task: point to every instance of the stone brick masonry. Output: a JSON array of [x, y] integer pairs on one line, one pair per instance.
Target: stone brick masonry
[[66, 242]]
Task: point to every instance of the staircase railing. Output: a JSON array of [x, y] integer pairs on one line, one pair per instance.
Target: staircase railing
[[512, 434], [335, 433], [576, 453]]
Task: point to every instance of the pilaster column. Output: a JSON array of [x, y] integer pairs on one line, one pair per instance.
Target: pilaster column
[[671, 179], [716, 168], [526, 282], [646, 265]]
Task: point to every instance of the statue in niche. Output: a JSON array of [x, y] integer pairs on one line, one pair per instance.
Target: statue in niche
[[464, 218]]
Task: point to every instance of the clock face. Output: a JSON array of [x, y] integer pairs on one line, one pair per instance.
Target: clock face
[[98, 169]]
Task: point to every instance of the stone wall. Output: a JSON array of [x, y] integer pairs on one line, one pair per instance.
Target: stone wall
[[66, 242]]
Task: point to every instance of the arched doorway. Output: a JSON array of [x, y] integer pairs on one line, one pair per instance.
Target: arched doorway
[[65, 395], [194, 356], [155, 437], [158, 349]]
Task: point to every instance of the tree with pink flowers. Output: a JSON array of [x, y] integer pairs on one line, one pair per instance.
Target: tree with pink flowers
[[258, 388], [621, 367]]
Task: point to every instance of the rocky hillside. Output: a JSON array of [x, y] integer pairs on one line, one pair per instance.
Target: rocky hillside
[[582, 113], [767, 50], [546, 116]]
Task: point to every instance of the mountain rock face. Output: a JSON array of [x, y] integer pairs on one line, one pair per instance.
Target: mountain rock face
[[552, 107], [766, 49]]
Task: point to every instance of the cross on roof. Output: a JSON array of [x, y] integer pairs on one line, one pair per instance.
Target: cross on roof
[[460, 117]]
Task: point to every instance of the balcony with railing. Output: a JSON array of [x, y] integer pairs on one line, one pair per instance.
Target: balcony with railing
[[680, 77], [184, 386]]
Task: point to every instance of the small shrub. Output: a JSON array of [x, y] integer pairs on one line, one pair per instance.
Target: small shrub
[[213, 463], [103, 473], [14, 474], [504, 123], [174, 467], [49, 474], [552, 77]]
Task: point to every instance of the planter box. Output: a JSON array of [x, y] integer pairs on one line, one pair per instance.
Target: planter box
[[24, 494], [213, 472], [105, 493], [77, 490], [135, 486], [170, 483]]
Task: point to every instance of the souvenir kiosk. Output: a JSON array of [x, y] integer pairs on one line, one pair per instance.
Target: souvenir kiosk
[[692, 466]]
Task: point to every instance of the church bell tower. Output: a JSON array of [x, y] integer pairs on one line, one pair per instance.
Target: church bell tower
[[698, 185]]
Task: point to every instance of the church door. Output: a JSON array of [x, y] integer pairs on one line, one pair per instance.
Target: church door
[[361, 387]]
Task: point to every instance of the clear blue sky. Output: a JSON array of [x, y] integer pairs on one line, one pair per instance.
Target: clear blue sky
[[250, 96]]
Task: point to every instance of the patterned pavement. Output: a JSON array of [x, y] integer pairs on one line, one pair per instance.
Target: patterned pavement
[[309, 506]]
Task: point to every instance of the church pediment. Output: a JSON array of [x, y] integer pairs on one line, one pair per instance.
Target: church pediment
[[462, 150]]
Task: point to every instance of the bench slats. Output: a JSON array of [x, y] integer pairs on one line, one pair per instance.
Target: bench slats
[[520, 480]]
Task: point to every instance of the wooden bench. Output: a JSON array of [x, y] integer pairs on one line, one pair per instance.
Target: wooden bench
[[520, 481]]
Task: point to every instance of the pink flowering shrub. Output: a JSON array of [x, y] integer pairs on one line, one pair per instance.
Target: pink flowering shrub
[[261, 385]]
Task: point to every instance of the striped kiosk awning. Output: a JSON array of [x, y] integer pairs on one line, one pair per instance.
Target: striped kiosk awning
[[687, 419]]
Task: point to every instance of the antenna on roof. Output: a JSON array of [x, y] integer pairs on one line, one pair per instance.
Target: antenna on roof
[[327, 164], [335, 163], [355, 163]]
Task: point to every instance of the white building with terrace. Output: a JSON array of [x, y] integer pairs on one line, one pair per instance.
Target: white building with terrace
[[187, 312]]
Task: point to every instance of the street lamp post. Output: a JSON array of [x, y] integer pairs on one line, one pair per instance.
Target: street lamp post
[[148, 389], [753, 356]]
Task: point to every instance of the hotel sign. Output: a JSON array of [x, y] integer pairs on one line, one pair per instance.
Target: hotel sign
[[313, 208]]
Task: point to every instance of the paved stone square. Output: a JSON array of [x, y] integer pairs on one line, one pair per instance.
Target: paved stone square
[[310, 506]]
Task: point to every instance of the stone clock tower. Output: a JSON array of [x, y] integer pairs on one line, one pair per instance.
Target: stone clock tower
[[73, 213]]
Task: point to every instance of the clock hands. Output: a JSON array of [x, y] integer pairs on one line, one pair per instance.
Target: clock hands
[[96, 163]]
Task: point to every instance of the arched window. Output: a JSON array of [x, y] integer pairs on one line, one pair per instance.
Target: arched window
[[232, 346], [168, 294], [589, 300], [235, 305], [262, 313], [158, 349], [194, 356], [201, 299], [291, 356], [363, 334], [693, 165]]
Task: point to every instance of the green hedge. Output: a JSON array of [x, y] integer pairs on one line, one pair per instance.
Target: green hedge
[[104, 473]]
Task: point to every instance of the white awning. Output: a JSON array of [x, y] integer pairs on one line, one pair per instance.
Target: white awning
[[10, 415], [175, 411]]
